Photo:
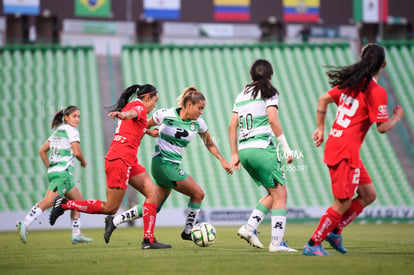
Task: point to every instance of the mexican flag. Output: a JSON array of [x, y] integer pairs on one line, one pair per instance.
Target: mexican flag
[[370, 11]]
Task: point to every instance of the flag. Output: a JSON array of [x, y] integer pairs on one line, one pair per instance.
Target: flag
[[232, 10], [370, 11], [93, 8], [162, 9], [31, 7], [301, 10]]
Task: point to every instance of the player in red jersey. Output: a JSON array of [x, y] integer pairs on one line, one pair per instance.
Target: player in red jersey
[[361, 102], [121, 164]]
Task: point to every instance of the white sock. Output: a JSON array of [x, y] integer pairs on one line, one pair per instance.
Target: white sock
[[278, 229], [76, 227], [191, 215], [129, 215], [33, 214], [256, 217]]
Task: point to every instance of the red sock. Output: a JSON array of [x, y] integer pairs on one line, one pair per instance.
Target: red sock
[[350, 215], [87, 206], [327, 223], [149, 214]]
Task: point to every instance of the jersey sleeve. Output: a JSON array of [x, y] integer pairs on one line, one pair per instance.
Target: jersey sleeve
[[377, 105], [141, 113], [335, 93], [203, 126], [158, 116], [73, 134], [273, 101]]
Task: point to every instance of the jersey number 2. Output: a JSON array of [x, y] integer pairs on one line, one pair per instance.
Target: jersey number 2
[[345, 112]]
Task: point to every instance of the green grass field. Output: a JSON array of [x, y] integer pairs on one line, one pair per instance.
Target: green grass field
[[373, 249]]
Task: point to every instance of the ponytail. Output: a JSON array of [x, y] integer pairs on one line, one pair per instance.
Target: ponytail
[[190, 94], [261, 72], [135, 90], [357, 77], [58, 119]]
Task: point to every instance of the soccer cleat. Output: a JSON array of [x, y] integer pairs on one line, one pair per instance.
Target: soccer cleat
[[57, 209], [283, 247], [22, 230], [335, 240], [80, 239], [186, 236], [154, 245], [109, 228], [250, 237], [316, 250]]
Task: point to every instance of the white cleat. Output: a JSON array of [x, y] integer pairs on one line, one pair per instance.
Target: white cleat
[[283, 247], [250, 237]]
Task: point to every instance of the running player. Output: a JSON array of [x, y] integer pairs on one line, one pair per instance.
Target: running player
[[177, 127], [361, 102], [64, 147], [121, 164], [255, 112]]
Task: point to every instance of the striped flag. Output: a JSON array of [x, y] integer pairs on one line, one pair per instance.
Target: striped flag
[[232, 10], [370, 11], [31, 7], [301, 10], [162, 9]]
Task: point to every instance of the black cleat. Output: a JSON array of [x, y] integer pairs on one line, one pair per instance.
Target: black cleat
[[57, 209], [155, 245], [109, 228], [186, 236]]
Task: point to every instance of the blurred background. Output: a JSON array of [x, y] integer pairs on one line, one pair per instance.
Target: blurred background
[[59, 53]]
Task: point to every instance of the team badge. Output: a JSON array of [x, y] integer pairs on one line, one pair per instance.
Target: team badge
[[192, 126], [382, 110]]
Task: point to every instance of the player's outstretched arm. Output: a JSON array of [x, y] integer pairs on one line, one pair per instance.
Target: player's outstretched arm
[[234, 124], [208, 142]]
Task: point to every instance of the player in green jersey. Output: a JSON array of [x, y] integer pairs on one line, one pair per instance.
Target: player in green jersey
[[64, 147], [255, 114]]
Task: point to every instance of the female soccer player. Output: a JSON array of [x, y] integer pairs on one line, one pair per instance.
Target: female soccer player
[[121, 164], [255, 112], [177, 127], [361, 102], [64, 147]]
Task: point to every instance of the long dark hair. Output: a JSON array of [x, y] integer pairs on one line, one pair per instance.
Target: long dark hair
[[139, 90], [357, 77], [261, 72], [58, 118]]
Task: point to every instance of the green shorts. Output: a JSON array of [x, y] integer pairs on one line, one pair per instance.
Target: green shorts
[[61, 181], [166, 173], [263, 166]]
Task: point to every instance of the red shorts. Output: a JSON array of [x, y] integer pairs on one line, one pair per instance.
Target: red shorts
[[345, 179], [118, 173]]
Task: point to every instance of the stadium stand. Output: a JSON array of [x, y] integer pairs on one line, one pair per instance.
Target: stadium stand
[[221, 73], [37, 81]]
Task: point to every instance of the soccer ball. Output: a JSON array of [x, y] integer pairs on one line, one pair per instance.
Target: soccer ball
[[203, 234]]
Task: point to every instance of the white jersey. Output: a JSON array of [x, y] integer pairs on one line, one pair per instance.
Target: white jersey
[[254, 128], [61, 154], [175, 134]]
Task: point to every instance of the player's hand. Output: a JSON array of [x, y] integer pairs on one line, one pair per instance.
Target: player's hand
[[227, 167], [152, 133], [115, 115], [84, 164], [398, 111], [235, 162], [318, 137], [290, 159]]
